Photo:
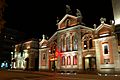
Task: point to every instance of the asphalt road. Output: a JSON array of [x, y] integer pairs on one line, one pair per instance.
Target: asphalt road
[[32, 75]]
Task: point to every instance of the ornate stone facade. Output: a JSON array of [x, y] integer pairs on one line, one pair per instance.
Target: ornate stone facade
[[77, 48]]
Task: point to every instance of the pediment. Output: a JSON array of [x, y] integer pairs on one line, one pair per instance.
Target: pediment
[[104, 28], [43, 43], [68, 21]]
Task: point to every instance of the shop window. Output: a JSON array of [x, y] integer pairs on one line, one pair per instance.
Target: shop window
[[75, 60], [68, 60], [106, 61]]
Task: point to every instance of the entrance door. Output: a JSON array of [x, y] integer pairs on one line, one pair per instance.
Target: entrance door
[[53, 65], [27, 63], [89, 63], [87, 66]]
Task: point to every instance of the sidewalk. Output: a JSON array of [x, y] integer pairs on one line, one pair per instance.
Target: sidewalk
[[35, 72]]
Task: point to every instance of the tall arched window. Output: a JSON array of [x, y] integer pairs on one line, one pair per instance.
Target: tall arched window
[[90, 44], [63, 60], [85, 44], [68, 43], [75, 60], [75, 42], [63, 44], [68, 60]]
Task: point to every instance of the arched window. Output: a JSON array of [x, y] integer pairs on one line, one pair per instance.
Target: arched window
[[68, 43], [63, 44], [90, 44], [68, 60], [63, 60], [75, 60], [75, 42], [85, 44], [67, 23]]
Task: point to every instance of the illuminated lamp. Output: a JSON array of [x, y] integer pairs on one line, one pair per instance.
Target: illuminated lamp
[[49, 50], [88, 55], [57, 53], [28, 47], [53, 59], [117, 21]]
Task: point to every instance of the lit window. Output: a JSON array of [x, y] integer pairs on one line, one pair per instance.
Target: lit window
[[63, 60], [75, 42], [67, 22], [85, 44], [5, 36], [105, 48], [63, 43], [11, 37], [90, 43], [106, 61], [68, 43], [43, 56], [103, 35], [68, 60], [75, 60]]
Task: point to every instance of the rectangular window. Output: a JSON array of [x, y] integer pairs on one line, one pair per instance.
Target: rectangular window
[[43, 56], [105, 48], [106, 61]]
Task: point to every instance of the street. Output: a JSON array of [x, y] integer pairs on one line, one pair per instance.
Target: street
[[36, 75]]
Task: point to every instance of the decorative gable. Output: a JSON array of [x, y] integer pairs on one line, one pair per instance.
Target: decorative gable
[[68, 21], [104, 30], [44, 42]]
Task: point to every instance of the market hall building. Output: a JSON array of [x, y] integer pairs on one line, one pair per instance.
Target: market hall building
[[75, 47]]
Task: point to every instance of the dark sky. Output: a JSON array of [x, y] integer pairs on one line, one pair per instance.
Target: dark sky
[[37, 17]]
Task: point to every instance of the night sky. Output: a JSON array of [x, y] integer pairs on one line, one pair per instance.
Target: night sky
[[37, 17]]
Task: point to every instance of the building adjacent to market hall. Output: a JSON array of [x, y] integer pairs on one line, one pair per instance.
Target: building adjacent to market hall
[[75, 47], [25, 55]]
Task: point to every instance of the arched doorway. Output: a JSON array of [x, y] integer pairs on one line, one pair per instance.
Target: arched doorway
[[89, 63], [27, 63]]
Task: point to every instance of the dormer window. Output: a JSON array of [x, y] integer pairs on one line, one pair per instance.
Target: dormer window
[[67, 22]]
